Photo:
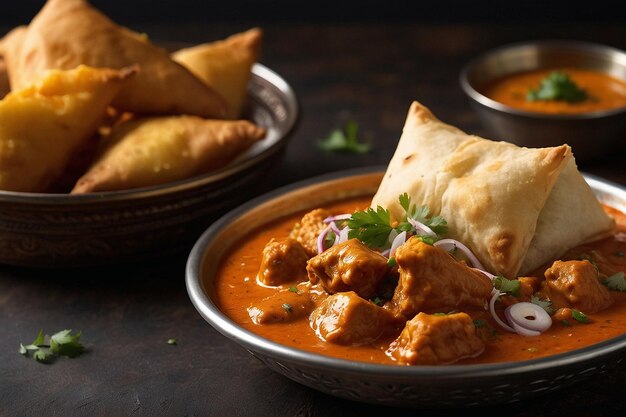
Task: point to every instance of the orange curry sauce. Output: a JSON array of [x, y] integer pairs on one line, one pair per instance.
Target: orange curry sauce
[[236, 289], [605, 92]]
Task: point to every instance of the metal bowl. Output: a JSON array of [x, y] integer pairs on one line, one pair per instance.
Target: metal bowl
[[418, 386], [62, 230], [591, 135]]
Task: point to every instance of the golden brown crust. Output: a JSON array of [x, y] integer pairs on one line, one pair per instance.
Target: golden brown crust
[[66, 33]]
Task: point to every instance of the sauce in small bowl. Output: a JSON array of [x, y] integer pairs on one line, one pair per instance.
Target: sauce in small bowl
[[602, 91]]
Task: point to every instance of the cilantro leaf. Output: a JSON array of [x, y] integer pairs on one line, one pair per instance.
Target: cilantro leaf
[[47, 348], [557, 86], [344, 140], [616, 282], [545, 304], [579, 316], [287, 307], [372, 227], [509, 286]]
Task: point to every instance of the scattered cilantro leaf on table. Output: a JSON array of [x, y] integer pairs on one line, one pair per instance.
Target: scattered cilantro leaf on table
[[46, 349], [344, 140]]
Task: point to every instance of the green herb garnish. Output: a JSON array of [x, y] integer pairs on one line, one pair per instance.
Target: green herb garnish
[[377, 301], [46, 348], [287, 307], [508, 286], [344, 140], [616, 282], [557, 86], [293, 288], [479, 323], [373, 226], [545, 304], [579, 316], [565, 323], [392, 262]]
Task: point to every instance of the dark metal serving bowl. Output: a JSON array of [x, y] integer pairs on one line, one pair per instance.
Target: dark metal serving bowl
[[407, 386], [591, 135], [62, 230]]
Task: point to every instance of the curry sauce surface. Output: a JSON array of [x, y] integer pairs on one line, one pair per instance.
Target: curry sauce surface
[[604, 91], [236, 288]]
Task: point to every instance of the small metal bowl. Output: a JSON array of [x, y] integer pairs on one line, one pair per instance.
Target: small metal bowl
[[591, 135], [63, 230], [406, 386]]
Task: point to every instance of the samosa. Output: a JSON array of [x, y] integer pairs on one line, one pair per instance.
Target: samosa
[[67, 33], [225, 65], [514, 207], [42, 126], [156, 150]]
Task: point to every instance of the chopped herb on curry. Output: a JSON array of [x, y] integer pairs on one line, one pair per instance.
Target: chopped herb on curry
[[558, 86]]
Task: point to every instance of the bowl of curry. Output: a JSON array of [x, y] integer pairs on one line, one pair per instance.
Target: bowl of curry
[[262, 275], [548, 92]]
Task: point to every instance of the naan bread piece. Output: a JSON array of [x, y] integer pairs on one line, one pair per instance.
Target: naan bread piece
[[44, 125], [66, 33], [157, 150], [225, 65], [492, 194]]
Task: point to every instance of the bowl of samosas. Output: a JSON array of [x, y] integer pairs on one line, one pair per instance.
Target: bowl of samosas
[[116, 149]]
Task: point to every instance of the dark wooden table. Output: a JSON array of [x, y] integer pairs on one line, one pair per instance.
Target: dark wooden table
[[365, 72]]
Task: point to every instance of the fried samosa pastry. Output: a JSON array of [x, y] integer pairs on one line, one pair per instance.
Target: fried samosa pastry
[[157, 150], [44, 125], [67, 33], [5, 87], [514, 207], [225, 65]]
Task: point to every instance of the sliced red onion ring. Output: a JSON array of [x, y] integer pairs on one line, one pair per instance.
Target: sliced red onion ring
[[421, 227], [343, 235], [528, 319], [320, 239], [337, 217], [494, 296], [335, 228], [397, 241], [451, 244]]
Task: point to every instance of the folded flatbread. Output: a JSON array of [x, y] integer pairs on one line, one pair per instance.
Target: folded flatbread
[[225, 65], [515, 208], [43, 126], [156, 150], [66, 33]]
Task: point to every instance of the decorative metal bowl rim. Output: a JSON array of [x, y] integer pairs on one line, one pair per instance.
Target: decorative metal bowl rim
[[583, 46], [255, 343], [173, 187]]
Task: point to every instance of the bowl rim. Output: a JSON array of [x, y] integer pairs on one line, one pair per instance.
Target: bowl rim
[[586, 46], [255, 343], [258, 70]]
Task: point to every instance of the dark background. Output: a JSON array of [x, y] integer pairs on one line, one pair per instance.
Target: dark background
[[245, 11]]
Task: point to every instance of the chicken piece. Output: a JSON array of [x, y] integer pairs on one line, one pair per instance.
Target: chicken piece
[[581, 253], [156, 150], [44, 126], [308, 229], [283, 261], [225, 65], [68, 33], [575, 284], [431, 280], [347, 319], [437, 340], [280, 307], [348, 266]]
